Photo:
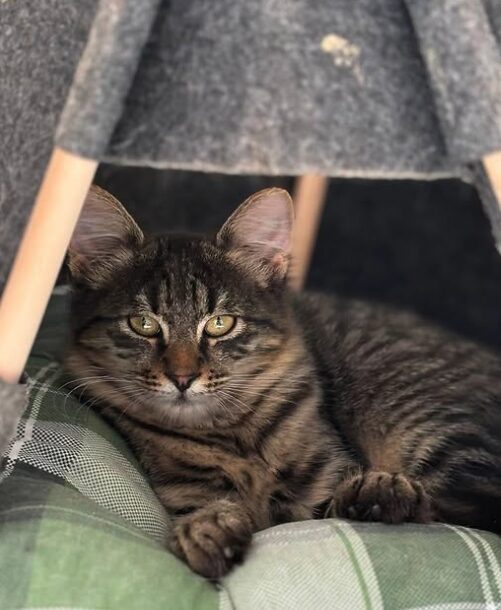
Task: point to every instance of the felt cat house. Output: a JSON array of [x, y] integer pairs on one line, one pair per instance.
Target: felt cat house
[[353, 88]]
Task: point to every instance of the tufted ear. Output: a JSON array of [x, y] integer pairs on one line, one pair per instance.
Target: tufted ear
[[105, 239], [258, 235]]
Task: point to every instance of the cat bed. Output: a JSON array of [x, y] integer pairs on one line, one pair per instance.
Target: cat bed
[[80, 528]]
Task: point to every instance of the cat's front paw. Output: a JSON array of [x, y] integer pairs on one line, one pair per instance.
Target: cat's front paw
[[213, 539], [381, 496]]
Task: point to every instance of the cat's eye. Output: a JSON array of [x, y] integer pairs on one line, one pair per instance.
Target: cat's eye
[[145, 326], [217, 326]]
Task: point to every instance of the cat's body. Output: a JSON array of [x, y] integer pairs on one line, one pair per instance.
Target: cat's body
[[301, 407]]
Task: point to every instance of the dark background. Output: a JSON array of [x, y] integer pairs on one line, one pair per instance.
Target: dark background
[[425, 246]]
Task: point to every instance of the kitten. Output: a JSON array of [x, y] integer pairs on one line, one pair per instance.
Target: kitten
[[249, 406]]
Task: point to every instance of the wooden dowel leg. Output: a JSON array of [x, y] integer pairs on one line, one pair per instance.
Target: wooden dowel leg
[[39, 257], [309, 199], [492, 166]]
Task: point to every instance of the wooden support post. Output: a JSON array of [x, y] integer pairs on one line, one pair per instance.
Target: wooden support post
[[309, 198], [39, 257], [492, 166]]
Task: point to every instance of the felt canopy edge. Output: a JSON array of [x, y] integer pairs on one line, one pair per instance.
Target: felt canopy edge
[[104, 75], [461, 55]]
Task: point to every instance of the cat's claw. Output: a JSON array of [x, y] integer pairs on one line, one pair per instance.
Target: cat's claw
[[382, 496], [213, 539]]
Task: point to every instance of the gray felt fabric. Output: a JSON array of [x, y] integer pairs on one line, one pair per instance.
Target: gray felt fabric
[[373, 88], [40, 44], [272, 87], [104, 75], [461, 53]]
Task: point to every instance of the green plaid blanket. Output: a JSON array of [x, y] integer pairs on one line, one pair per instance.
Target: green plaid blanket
[[80, 529]]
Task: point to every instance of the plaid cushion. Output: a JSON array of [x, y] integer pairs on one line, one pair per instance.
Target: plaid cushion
[[80, 529]]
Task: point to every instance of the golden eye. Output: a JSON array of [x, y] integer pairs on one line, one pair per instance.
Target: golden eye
[[219, 325], [144, 325]]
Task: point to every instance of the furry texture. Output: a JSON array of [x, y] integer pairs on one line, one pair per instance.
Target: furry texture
[[304, 407]]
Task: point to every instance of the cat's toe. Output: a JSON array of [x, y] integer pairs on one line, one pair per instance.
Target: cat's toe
[[382, 496], [212, 540]]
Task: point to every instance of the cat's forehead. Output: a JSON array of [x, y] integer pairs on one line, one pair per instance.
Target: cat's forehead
[[186, 278]]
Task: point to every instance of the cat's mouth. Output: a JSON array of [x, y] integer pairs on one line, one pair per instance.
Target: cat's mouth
[[172, 409], [183, 409], [181, 399]]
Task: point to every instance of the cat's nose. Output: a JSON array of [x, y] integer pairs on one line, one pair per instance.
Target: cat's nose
[[183, 380]]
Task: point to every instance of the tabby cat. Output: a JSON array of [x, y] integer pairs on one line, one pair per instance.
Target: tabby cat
[[249, 406]]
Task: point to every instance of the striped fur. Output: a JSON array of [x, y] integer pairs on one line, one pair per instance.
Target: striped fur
[[312, 406]]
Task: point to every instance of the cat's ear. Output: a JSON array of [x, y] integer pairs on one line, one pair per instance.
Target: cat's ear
[[258, 235], [105, 239]]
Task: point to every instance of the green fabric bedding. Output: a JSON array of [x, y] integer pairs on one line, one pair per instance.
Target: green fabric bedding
[[80, 529]]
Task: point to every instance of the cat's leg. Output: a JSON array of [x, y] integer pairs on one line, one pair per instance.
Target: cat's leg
[[214, 538], [382, 496]]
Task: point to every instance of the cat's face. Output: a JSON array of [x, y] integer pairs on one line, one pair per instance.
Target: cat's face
[[180, 331]]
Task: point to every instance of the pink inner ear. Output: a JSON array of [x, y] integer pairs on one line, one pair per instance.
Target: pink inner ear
[[96, 235], [266, 222], [103, 227], [280, 238]]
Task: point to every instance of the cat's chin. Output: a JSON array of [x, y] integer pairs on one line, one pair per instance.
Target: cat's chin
[[180, 411]]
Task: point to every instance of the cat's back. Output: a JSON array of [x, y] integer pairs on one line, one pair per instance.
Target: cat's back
[[371, 353]]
